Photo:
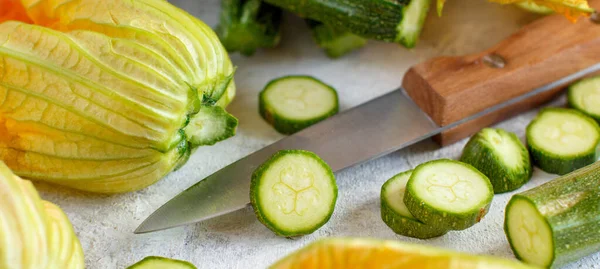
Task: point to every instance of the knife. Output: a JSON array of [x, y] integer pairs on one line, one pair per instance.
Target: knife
[[447, 97]]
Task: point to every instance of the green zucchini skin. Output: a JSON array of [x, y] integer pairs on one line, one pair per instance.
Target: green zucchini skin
[[555, 164], [257, 206], [575, 104], [247, 25], [372, 19], [405, 225], [290, 126], [480, 153], [334, 41], [570, 205], [445, 220], [414, 16]]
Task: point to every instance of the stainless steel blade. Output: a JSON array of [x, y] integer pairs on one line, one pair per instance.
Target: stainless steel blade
[[370, 130]]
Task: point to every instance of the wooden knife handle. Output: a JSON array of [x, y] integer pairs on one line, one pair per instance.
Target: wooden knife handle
[[452, 88]]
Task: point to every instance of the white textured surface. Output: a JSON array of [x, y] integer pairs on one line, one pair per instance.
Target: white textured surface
[[104, 224]]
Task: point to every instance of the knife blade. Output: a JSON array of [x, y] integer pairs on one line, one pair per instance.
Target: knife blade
[[455, 92], [342, 141]]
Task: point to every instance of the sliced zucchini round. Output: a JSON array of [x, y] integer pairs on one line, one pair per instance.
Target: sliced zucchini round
[[154, 262], [293, 193], [395, 214], [500, 156], [448, 194], [585, 97], [562, 140], [293, 103], [528, 232]]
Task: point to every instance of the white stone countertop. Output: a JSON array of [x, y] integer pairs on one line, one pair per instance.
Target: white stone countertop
[[105, 224]]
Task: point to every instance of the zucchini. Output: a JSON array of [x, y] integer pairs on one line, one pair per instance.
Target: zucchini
[[585, 97], [293, 103], [412, 23], [448, 194], [500, 156], [372, 19], [293, 193], [562, 140], [395, 214], [334, 41], [155, 262], [557, 222], [247, 25]]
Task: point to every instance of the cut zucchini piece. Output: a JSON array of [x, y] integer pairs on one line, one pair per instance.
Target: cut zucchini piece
[[395, 214], [247, 25], [154, 262], [447, 194], [500, 156], [293, 103], [557, 222], [211, 125], [535, 8], [293, 193], [562, 140], [411, 26], [585, 97], [334, 41]]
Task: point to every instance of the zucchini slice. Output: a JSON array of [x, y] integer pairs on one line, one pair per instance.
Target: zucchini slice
[[562, 140], [293, 103], [500, 156], [585, 97], [293, 193], [447, 194], [334, 41], [395, 214], [155, 262], [557, 222]]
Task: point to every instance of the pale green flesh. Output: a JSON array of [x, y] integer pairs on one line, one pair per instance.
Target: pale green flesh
[[508, 151], [295, 193], [411, 23], [394, 195], [529, 233], [564, 133], [300, 98], [586, 94], [450, 187]]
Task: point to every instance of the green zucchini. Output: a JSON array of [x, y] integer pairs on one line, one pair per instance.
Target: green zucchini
[[247, 25], [585, 97], [562, 140], [397, 21], [293, 103], [293, 193], [334, 41], [211, 125], [500, 156], [154, 262], [557, 222], [447, 194], [395, 214]]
